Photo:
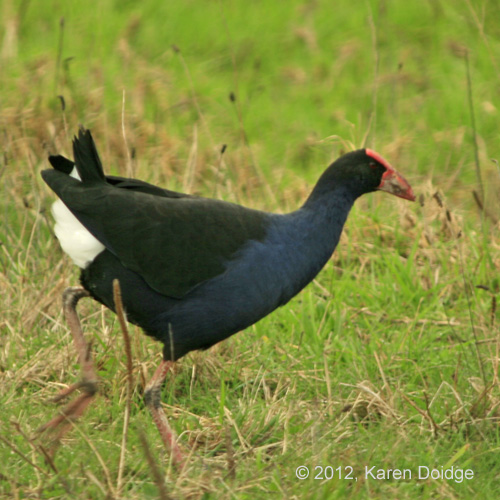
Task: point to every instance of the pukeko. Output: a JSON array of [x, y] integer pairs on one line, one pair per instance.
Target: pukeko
[[192, 270]]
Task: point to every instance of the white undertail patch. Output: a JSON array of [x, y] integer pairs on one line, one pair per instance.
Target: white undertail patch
[[73, 237]]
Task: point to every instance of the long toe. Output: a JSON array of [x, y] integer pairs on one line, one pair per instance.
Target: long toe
[[74, 409]]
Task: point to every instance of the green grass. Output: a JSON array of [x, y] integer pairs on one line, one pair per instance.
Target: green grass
[[389, 359]]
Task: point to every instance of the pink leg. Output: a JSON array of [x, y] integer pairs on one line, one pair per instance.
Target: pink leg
[[152, 397], [88, 383]]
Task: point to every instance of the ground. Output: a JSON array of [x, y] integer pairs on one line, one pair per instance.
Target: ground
[[387, 362]]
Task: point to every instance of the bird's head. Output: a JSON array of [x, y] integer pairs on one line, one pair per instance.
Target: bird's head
[[391, 181], [360, 172]]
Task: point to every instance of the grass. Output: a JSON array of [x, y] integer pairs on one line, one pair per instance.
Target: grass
[[389, 359]]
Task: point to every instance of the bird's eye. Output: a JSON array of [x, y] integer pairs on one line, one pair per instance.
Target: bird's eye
[[372, 164]]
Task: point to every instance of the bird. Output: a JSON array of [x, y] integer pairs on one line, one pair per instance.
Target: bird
[[192, 270]]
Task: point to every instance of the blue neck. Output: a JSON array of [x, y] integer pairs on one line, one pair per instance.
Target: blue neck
[[326, 214], [304, 240]]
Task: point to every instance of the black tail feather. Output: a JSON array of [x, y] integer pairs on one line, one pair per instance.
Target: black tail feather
[[61, 163], [87, 160]]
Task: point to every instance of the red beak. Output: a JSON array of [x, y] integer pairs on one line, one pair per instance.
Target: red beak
[[394, 183]]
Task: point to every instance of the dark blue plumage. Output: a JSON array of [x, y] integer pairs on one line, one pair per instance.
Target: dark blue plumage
[[194, 271], [259, 277]]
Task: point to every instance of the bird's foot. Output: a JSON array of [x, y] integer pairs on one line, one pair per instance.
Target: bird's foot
[[168, 436], [61, 423], [152, 398]]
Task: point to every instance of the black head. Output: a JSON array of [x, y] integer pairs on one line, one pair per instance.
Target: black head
[[360, 172]]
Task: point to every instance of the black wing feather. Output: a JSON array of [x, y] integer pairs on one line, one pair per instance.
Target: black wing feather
[[65, 165], [174, 241]]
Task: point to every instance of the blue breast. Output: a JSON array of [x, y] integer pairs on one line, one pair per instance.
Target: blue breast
[[259, 278]]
